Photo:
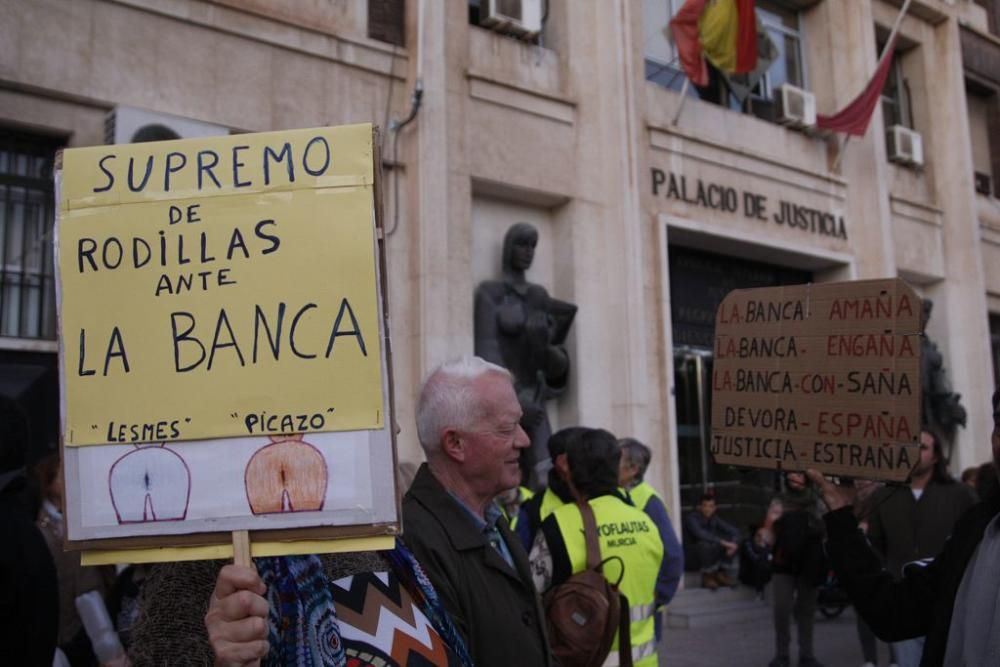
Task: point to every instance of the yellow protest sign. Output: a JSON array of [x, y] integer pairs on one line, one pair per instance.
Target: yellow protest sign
[[219, 287]]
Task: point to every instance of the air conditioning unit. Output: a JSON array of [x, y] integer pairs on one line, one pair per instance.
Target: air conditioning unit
[[518, 17], [125, 125], [905, 146], [984, 183], [795, 107]]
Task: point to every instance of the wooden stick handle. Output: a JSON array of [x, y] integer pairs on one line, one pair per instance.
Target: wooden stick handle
[[241, 548]]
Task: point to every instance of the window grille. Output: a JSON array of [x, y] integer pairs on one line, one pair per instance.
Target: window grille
[[27, 278]]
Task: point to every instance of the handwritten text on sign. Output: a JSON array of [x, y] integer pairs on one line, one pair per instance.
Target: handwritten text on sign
[[220, 287], [819, 376]]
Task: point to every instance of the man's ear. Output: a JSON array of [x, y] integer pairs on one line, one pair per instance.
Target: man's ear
[[561, 464], [453, 445]]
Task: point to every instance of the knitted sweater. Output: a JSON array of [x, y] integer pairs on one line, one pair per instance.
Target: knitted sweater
[[170, 629]]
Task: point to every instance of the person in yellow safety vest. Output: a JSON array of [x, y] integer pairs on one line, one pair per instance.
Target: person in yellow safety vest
[[635, 460], [555, 495], [559, 550], [510, 502]]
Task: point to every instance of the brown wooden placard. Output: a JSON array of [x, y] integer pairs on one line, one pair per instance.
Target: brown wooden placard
[[819, 376]]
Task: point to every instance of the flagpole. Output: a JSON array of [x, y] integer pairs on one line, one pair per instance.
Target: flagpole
[[895, 28], [684, 96], [885, 49], [840, 153]]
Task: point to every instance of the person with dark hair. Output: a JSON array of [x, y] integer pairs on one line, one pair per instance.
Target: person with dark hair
[[987, 483], [29, 597], [710, 544], [969, 476], [755, 562], [626, 536], [911, 526], [534, 510], [631, 472], [74, 578], [951, 601], [798, 567]]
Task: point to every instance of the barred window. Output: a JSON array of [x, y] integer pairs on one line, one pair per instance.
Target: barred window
[[27, 286]]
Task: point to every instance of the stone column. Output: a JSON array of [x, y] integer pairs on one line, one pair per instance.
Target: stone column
[[612, 86], [960, 308], [443, 318], [844, 33]]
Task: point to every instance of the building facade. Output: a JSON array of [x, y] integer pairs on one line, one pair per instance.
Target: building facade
[[651, 201]]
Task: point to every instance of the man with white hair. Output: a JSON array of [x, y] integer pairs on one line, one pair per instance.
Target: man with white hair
[[482, 608], [468, 423]]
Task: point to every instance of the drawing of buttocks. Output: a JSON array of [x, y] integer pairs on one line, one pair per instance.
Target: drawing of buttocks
[[288, 475], [150, 483]]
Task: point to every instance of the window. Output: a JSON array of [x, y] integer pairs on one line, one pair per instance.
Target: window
[[983, 113], [992, 8], [896, 94], [781, 24], [27, 293], [658, 49], [386, 21], [782, 27], [523, 20]]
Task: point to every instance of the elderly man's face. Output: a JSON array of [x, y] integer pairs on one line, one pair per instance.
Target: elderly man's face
[[495, 443]]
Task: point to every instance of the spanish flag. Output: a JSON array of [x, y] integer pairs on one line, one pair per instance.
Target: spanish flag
[[724, 32]]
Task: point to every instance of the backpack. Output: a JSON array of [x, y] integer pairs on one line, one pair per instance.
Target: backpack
[[798, 546], [583, 612]]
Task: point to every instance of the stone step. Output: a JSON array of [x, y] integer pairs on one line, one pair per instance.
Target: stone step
[[697, 607], [690, 615], [693, 590], [718, 596]]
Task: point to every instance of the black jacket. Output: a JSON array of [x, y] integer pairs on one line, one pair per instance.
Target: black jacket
[[495, 607], [904, 529], [921, 602], [29, 598]]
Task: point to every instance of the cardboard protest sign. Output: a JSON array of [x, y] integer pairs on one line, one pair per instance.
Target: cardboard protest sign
[[819, 376], [219, 287], [223, 347]]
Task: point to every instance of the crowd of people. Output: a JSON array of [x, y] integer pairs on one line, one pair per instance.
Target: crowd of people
[[481, 559]]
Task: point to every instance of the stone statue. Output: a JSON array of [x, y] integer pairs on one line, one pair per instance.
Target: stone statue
[[940, 406], [520, 327]]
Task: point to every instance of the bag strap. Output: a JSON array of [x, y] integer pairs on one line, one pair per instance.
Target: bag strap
[[624, 633], [594, 562], [590, 535]]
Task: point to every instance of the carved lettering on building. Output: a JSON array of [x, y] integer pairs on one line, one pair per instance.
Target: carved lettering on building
[[789, 214]]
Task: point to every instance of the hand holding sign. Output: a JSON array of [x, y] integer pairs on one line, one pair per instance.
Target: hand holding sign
[[837, 497], [237, 618]]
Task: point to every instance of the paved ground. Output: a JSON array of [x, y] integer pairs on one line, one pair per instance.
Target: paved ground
[[752, 644]]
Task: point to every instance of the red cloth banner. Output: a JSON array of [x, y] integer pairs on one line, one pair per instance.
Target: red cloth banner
[[684, 27], [855, 117], [746, 41]]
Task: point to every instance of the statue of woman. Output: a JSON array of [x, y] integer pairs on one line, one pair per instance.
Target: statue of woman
[[520, 327], [940, 406]]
